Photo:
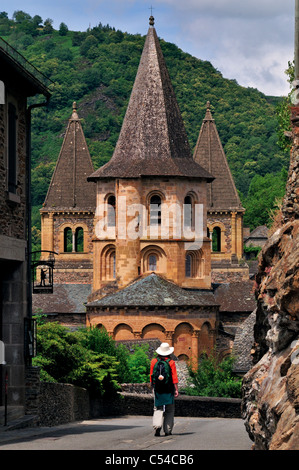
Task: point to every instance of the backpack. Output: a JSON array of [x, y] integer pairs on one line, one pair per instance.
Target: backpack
[[162, 377]]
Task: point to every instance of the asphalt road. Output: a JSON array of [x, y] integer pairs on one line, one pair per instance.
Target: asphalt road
[[132, 434]]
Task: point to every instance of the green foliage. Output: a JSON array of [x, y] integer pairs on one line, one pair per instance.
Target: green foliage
[[99, 341], [63, 357], [214, 378], [88, 357], [97, 69], [283, 112], [264, 195], [139, 365], [254, 250]]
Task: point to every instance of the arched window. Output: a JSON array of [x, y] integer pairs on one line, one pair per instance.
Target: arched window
[[153, 259], [155, 210], [152, 263], [108, 261], [188, 212], [188, 266], [111, 211], [194, 264], [216, 240], [113, 267], [68, 240], [79, 240]]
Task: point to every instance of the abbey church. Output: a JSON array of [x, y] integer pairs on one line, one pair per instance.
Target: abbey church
[[150, 245]]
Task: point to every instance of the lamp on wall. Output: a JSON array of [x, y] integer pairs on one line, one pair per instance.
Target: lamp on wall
[[42, 272]]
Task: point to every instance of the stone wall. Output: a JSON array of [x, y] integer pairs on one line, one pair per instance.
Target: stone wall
[[53, 404], [62, 403], [271, 388], [142, 405]]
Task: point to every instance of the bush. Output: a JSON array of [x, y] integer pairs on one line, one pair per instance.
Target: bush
[[214, 379], [88, 357], [139, 365], [64, 357]]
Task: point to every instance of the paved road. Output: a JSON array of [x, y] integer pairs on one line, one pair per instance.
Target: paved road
[[132, 433]]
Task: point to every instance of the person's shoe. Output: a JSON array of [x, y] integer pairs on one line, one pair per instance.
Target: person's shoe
[[157, 433], [168, 433]]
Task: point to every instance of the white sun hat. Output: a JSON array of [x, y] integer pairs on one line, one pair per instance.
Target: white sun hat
[[164, 350]]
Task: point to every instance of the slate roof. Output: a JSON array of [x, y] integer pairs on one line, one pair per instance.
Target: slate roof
[[235, 296], [259, 232], [209, 153], [155, 291], [66, 298], [153, 140], [69, 188]]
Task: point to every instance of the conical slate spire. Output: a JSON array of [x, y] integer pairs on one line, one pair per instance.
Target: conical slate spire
[[209, 153], [69, 189], [153, 140]]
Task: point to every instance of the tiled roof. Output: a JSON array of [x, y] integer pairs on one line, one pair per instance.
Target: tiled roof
[[259, 232], [153, 140], [66, 298], [209, 153], [235, 296], [69, 188], [155, 291]]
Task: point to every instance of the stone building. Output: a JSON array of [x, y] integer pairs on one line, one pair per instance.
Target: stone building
[[19, 81], [225, 211], [258, 237], [148, 221], [150, 196], [68, 211]]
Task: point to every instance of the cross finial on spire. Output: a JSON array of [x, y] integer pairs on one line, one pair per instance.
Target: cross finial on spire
[[152, 19], [74, 115]]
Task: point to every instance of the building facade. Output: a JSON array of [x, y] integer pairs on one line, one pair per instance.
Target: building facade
[[151, 224], [150, 263], [225, 211], [19, 80], [68, 212]]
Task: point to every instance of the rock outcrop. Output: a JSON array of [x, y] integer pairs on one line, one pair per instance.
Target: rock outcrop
[[270, 403]]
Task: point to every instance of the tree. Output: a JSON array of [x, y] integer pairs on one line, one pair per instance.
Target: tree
[[264, 195], [37, 21], [63, 29], [139, 365], [64, 358], [48, 28], [214, 378], [20, 16]]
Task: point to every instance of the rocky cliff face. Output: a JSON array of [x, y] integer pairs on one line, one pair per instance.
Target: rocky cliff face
[[271, 387]]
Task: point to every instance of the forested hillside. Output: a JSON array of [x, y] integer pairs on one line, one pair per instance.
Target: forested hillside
[[97, 68]]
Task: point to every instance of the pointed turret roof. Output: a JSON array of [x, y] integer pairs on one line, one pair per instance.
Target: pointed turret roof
[[153, 140], [209, 153], [69, 189]]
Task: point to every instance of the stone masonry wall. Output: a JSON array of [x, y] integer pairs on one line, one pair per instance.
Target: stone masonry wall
[[271, 388]]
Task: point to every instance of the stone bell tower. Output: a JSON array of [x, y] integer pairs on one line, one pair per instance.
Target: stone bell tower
[[152, 266], [68, 211], [147, 185], [224, 209]]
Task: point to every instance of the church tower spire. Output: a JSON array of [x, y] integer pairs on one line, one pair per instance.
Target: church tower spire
[[68, 211], [153, 140], [225, 211], [69, 188], [152, 167]]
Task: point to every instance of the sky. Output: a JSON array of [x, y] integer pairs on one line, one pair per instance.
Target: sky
[[250, 41]]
